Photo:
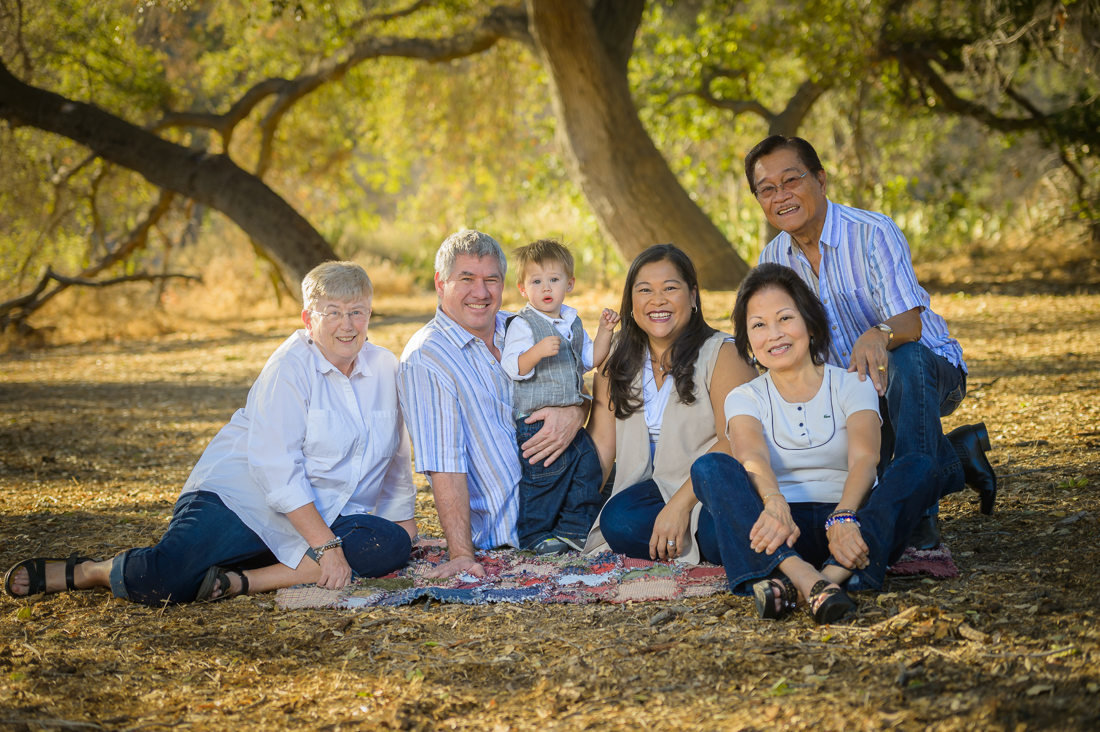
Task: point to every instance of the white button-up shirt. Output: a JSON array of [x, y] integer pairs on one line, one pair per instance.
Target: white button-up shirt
[[520, 339], [309, 434]]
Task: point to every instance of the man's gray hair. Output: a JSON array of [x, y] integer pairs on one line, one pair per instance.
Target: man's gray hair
[[337, 281], [468, 241]]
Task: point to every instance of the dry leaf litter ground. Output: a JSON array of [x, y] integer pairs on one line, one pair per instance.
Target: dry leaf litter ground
[[96, 440]]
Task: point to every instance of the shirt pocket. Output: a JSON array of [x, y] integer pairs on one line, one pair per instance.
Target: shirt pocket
[[383, 433], [857, 308], [327, 435]]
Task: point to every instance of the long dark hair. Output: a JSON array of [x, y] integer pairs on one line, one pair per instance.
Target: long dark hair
[[629, 348], [771, 275]]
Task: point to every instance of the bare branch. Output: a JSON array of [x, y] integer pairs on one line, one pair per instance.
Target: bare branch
[[737, 106], [139, 277], [64, 174], [53, 218], [387, 17], [223, 124], [135, 238], [500, 23], [919, 65], [788, 121], [1079, 177], [22, 300], [214, 180], [15, 20], [34, 300]]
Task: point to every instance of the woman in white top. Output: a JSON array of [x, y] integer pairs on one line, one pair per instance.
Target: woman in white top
[[798, 512], [657, 406], [310, 482]]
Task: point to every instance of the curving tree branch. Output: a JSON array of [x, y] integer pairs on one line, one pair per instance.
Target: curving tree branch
[[784, 123], [210, 179], [16, 311], [223, 124], [500, 23]]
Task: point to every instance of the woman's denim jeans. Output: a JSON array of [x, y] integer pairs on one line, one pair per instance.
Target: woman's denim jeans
[[204, 533], [887, 518], [628, 517]]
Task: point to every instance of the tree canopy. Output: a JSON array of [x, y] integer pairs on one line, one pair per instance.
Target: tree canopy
[[315, 125]]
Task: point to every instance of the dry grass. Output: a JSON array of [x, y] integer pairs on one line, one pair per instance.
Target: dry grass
[[96, 439]]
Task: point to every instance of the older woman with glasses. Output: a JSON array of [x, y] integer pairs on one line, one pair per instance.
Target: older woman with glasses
[[310, 482]]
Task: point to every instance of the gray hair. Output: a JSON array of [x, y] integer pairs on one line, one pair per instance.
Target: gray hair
[[338, 281], [468, 241]]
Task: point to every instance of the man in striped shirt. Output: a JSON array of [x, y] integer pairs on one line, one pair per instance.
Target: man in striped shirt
[[457, 402], [882, 324]]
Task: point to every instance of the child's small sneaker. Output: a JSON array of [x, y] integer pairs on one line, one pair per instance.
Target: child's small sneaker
[[556, 545]]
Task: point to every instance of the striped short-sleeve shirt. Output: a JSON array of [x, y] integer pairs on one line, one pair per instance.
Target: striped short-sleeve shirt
[[457, 402], [866, 276]]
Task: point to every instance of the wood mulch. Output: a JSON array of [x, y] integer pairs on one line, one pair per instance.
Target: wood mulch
[[96, 440]]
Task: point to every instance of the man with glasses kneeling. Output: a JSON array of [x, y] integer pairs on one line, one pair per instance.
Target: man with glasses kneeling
[[880, 319]]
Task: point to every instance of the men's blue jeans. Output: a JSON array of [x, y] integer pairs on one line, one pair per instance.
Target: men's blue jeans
[[205, 533], [562, 500], [627, 523], [921, 387], [887, 519]]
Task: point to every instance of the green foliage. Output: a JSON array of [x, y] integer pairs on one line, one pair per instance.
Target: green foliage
[[886, 146], [394, 155]]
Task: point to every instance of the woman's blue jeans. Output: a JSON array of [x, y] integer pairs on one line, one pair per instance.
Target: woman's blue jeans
[[908, 487], [205, 533], [628, 517]]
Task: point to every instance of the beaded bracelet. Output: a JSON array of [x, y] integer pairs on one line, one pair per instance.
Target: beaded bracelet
[[772, 495], [842, 512], [842, 519]]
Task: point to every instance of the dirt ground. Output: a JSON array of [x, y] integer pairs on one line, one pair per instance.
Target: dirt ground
[[96, 440]]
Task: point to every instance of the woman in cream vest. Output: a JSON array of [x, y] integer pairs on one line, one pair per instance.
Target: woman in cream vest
[[658, 405]]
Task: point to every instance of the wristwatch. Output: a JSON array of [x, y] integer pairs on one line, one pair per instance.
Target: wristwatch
[[887, 330]]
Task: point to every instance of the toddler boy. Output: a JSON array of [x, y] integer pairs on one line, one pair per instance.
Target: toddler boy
[[546, 353]]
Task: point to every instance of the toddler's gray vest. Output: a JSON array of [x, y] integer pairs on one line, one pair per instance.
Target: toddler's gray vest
[[558, 379]]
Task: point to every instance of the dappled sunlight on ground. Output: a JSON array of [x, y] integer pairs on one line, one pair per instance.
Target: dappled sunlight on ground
[[96, 440]]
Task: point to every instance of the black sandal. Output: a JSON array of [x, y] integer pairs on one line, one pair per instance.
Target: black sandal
[[218, 578], [827, 604], [36, 574], [766, 597]]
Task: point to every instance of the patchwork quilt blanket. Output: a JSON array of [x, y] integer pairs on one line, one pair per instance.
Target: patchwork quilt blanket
[[516, 577]]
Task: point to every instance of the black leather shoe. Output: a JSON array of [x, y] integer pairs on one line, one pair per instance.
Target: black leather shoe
[[971, 442], [926, 534]]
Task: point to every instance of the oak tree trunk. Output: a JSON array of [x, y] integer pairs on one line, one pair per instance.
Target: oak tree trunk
[[636, 197], [214, 180]]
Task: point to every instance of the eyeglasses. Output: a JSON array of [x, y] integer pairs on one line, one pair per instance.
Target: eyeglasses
[[335, 317], [765, 193]]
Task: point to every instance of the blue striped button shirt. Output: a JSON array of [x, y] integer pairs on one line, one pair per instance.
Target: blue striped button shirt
[[457, 402], [866, 276]]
